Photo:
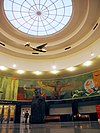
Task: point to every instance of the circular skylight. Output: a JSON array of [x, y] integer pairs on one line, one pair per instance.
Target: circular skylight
[[38, 17]]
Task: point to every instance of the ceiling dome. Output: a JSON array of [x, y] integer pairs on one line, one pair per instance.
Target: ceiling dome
[[38, 17], [69, 45]]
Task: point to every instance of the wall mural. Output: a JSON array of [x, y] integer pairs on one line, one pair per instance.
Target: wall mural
[[8, 88], [64, 88], [74, 87]]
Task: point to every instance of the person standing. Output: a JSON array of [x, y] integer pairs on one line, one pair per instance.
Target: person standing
[[26, 116]]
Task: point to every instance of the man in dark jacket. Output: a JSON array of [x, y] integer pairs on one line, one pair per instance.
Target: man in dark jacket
[[26, 116]]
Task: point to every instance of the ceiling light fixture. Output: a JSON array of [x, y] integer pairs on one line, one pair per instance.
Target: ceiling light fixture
[[71, 68], [3, 68], [87, 63], [37, 72], [14, 65], [20, 71], [54, 72], [92, 54], [2, 44], [54, 67]]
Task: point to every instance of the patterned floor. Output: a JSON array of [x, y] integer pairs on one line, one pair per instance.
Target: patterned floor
[[56, 127]]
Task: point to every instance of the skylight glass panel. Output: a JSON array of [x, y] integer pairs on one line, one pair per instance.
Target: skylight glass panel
[[16, 23], [38, 17]]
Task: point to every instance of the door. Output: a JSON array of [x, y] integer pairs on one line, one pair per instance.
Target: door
[[7, 113], [12, 114], [1, 109]]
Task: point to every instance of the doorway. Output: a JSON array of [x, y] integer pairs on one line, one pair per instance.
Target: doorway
[[7, 113], [25, 108]]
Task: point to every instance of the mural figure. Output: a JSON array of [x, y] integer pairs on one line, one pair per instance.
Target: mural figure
[[77, 93], [96, 78], [57, 90], [29, 92], [58, 86], [90, 86], [88, 90]]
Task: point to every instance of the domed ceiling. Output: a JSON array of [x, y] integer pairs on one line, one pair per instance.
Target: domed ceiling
[[71, 31]]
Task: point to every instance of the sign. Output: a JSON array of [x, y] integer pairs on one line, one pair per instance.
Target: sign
[[98, 110]]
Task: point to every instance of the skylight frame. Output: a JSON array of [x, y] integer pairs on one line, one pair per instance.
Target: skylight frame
[[38, 18]]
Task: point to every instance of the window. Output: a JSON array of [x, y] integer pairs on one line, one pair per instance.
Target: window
[[38, 17]]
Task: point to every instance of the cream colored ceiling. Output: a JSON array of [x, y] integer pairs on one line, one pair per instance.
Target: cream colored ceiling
[[78, 34]]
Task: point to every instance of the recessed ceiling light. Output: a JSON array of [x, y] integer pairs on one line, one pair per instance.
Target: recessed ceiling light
[[14, 65], [54, 71], [71, 68], [37, 72], [3, 68], [87, 63], [54, 67], [92, 54], [20, 71]]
